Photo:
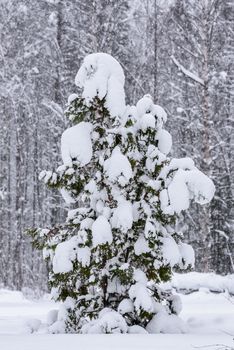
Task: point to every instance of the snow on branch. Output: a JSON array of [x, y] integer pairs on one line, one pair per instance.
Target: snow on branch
[[187, 72], [54, 107]]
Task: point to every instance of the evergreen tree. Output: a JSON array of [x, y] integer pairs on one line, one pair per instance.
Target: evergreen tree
[[119, 242]]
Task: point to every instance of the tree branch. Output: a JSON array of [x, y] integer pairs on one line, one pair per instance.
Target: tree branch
[[186, 72]]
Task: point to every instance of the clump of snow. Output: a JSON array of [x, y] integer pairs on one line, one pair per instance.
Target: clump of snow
[[200, 186], [125, 306], [83, 256], [164, 141], [170, 251], [118, 167], [193, 281], [33, 324], [66, 196], [72, 98], [144, 106], [101, 75], [176, 304], [160, 113], [187, 183], [181, 163], [141, 298], [65, 254], [52, 317], [178, 192], [76, 144], [147, 121], [123, 216], [101, 231], [154, 157], [141, 246], [162, 322], [57, 327], [153, 116], [53, 19], [187, 255], [109, 321]]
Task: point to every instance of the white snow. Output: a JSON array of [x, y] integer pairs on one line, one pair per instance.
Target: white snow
[[65, 254], [182, 163], [187, 72], [141, 246], [160, 113], [136, 330], [178, 192], [187, 254], [83, 256], [125, 306], [193, 281], [147, 121], [72, 98], [101, 231], [170, 251], [52, 317], [144, 105], [139, 294], [76, 144], [200, 186], [150, 115], [109, 321], [123, 216], [186, 184], [164, 323], [101, 75], [118, 167], [209, 318], [66, 196], [164, 141], [117, 342]]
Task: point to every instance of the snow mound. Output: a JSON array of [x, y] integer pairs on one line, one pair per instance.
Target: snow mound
[[136, 330], [164, 323], [76, 144], [52, 317], [33, 325], [6, 296], [109, 321], [101, 75], [193, 281]]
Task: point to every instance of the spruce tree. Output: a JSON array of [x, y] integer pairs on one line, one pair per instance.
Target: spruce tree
[[119, 243]]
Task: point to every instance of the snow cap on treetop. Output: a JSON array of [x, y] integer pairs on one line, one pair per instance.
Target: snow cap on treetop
[[101, 75], [150, 115]]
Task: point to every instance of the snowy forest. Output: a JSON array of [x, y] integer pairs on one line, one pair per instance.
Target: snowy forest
[[178, 51]]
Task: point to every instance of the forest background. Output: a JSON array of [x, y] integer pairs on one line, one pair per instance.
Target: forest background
[[179, 51]]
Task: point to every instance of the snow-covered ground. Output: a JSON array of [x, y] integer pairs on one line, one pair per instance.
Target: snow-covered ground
[[210, 317]]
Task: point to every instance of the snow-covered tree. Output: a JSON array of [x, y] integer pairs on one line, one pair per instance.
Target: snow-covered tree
[[119, 242]]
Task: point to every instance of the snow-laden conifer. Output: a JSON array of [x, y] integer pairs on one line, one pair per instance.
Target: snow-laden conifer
[[119, 241]]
